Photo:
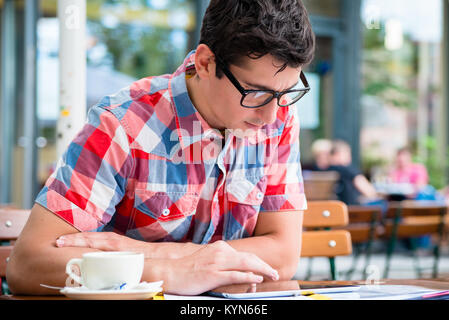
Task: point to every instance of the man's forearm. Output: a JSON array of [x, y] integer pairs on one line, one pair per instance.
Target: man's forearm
[[282, 256], [265, 247], [27, 270]]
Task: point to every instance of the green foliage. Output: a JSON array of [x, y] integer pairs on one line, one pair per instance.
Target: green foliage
[[435, 167], [139, 48], [137, 51], [389, 75], [371, 159]]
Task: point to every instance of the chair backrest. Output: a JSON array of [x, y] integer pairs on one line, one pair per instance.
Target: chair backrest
[[319, 240], [363, 222], [415, 218], [320, 185], [5, 252], [12, 222]]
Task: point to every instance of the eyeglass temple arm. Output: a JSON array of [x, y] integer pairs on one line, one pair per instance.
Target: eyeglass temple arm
[[304, 80], [228, 74]]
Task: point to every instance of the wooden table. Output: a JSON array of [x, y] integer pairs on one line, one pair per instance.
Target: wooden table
[[435, 284]]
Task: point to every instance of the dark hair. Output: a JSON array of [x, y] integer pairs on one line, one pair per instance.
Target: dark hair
[[234, 29]]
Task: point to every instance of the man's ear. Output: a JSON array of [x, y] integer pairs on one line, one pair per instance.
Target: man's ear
[[204, 62]]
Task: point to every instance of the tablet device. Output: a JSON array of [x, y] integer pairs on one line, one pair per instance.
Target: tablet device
[[277, 289], [257, 291]]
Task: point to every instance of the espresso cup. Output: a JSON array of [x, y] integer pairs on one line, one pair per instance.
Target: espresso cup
[[103, 270]]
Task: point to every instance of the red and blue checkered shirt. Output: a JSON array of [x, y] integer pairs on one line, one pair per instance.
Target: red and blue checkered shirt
[[147, 165]]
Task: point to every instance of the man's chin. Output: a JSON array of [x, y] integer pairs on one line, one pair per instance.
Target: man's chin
[[246, 132]]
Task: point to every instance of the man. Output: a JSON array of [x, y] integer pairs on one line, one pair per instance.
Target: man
[[353, 188], [321, 150], [199, 169]]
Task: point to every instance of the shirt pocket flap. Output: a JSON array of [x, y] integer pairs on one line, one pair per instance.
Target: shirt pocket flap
[[246, 190], [166, 206]]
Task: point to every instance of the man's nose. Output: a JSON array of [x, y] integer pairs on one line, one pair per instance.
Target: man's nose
[[268, 113]]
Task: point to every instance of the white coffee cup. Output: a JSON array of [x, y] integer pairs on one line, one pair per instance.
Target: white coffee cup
[[102, 270]]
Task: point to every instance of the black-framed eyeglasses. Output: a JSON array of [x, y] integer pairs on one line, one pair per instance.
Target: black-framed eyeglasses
[[259, 98]]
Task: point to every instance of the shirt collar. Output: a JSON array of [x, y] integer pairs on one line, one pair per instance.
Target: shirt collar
[[190, 125]]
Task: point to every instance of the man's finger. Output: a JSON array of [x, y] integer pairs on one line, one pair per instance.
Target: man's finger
[[237, 277], [84, 240], [249, 262]]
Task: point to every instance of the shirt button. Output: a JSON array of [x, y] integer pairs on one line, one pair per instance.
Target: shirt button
[[165, 212], [259, 195]]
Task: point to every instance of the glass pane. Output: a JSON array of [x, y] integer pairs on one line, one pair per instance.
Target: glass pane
[[126, 41], [316, 108], [401, 77], [325, 8]]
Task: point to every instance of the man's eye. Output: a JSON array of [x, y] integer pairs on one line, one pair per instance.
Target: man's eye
[[259, 94]]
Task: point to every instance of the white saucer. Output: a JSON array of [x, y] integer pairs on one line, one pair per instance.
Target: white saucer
[[139, 293]]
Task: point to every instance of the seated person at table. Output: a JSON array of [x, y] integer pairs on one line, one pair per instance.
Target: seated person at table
[[200, 170], [321, 152], [405, 171], [353, 188]]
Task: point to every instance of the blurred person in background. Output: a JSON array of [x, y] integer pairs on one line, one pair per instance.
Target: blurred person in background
[[415, 176], [321, 151], [406, 171], [353, 188]]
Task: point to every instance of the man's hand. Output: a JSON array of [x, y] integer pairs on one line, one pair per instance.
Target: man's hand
[[111, 241], [105, 241], [215, 265], [199, 269]]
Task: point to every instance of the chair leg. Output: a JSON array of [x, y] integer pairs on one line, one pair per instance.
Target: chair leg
[[441, 235], [4, 287], [367, 257], [392, 242], [333, 268], [414, 247], [355, 260], [436, 258], [390, 250]]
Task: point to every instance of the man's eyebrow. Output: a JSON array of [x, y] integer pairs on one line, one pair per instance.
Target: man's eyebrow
[[262, 87]]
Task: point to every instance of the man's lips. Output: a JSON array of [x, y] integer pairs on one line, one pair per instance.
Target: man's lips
[[253, 126]]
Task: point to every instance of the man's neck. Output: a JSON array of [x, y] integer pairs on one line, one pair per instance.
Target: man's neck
[[194, 89]]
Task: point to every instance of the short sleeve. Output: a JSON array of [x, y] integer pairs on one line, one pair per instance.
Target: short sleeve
[[285, 187], [90, 178], [421, 174], [352, 172]]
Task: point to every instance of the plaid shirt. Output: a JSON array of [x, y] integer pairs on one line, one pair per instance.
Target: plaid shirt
[[147, 165]]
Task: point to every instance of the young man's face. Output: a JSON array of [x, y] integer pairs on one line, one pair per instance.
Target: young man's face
[[253, 74]]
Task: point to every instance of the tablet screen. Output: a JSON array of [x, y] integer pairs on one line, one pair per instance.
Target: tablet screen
[[265, 289], [276, 289]]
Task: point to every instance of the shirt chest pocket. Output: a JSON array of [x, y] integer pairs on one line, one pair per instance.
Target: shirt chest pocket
[[247, 191], [166, 206]]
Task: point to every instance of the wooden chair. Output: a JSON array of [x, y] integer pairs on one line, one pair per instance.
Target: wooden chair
[[364, 226], [410, 219], [318, 239], [320, 185], [12, 221]]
